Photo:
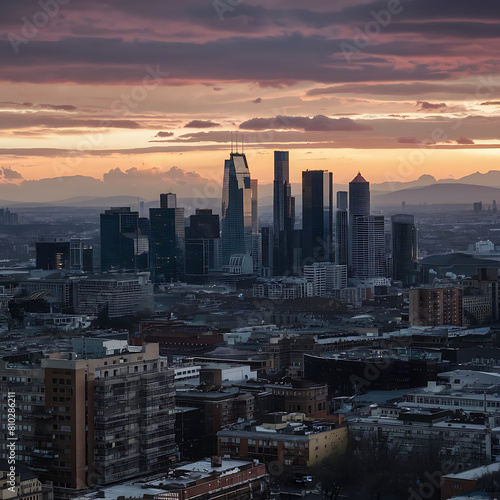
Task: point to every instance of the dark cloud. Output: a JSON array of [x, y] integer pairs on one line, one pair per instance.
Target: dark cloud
[[201, 124], [317, 123], [9, 175], [257, 101], [409, 140], [432, 106], [161, 133], [15, 121], [58, 107], [464, 140], [399, 89], [490, 103]]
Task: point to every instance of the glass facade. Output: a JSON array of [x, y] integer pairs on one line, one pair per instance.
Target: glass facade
[[404, 249], [317, 216], [283, 215], [236, 214]]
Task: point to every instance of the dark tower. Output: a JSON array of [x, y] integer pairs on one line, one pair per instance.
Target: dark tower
[[202, 242], [317, 216], [283, 215], [119, 232], [404, 249], [342, 230], [236, 214], [359, 206], [166, 240]]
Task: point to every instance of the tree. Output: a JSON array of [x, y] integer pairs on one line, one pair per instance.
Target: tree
[[332, 474]]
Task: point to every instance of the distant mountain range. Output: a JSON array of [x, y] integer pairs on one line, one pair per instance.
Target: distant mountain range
[[86, 191], [439, 194]]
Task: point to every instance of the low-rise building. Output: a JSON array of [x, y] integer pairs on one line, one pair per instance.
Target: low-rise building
[[463, 482], [119, 295], [288, 439], [212, 478], [417, 430], [19, 483]]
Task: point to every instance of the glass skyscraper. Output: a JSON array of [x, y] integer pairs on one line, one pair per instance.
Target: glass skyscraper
[[317, 216], [119, 233], [341, 230], [366, 233], [404, 249], [283, 215], [236, 214], [166, 240]]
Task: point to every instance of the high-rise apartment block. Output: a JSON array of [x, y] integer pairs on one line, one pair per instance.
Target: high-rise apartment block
[[92, 422], [436, 306]]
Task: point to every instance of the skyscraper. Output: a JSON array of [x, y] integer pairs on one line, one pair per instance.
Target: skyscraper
[[283, 215], [202, 242], [359, 197], [166, 240], [317, 216], [119, 235], [366, 233], [404, 249], [341, 230], [368, 247], [236, 214]]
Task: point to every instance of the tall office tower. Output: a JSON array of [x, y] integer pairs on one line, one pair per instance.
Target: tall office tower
[[283, 215], [254, 186], [236, 214], [359, 207], [359, 197], [404, 249], [267, 250], [317, 216], [368, 247], [168, 200], [119, 239], [202, 242], [342, 200], [166, 240], [256, 248], [341, 229]]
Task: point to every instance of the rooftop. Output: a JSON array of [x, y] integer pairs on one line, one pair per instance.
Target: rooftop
[[359, 178], [475, 473]]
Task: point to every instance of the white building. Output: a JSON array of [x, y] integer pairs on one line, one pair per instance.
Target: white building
[[325, 277]]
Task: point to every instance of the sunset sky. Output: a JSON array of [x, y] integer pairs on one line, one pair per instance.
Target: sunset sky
[[394, 89]]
